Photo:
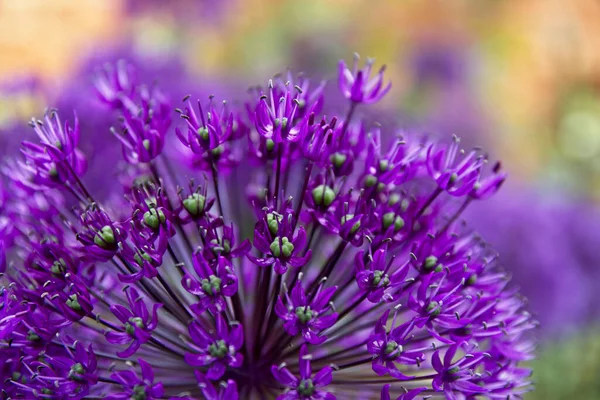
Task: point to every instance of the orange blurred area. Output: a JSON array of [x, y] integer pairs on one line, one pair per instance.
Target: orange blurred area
[[46, 37]]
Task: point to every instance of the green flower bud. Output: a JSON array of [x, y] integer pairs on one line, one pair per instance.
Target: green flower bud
[[105, 237], [270, 144], [338, 159], [53, 173], [323, 195], [281, 122], [304, 314], [153, 218], [194, 204], [73, 303], [217, 151], [32, 336], [453, 178], [434, 309], [384, 165], [76, 371], [391, 347], [380, 279], [203, 133], [281, 246], [472, 280], [454, 370], [212, 285], [218, 349], [59, 267], [394, 199], [404, 205], [306, 388], [219, 248], [370, 180], [139, 393], [398, 223], [140, 257], [430, 262], [137, 321], [347, 218], [273, 221], [388, 219]]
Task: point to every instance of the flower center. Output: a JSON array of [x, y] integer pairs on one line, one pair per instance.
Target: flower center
[[153, 218], [338, 159], [279, 246], [380, 279], [212, 285], [194, 204], [431, 263], [347, 218], [32, 336], [390, 219], [323, 195], [306, 387], [58, 267], [434, 309], [76, 372], [139, 393], [224, 248], [137, 321], [73, 303], [105, 237], [218, 349], [203, 133], [281, 122], [304, 314], [391, 347]]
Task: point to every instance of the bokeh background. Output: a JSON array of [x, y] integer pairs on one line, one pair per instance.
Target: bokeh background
[[519, 77]]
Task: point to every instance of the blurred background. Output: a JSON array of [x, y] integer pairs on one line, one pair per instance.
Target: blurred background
[[519, 78]]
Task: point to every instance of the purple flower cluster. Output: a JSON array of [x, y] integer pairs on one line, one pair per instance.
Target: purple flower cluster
[[311, 262]]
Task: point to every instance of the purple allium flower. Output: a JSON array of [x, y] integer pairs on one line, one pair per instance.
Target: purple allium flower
[[309, 244]]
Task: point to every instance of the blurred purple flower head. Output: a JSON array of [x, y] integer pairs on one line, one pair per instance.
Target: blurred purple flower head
[[547, 243], [309, 259]]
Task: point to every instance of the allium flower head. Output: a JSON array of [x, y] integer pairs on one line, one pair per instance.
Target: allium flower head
[[299, 257]]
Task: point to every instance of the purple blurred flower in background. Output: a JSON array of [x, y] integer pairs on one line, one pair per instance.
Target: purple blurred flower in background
[[547, 243], [322, 258]]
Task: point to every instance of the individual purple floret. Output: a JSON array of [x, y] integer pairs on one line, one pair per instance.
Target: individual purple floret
[[216, 351], [212, 286], [227, 390], [56, 159], [307, 386], [306, 316], [275, 238], [137, 322], [136, 388], [454, 378], [358, 86], [388, 348]]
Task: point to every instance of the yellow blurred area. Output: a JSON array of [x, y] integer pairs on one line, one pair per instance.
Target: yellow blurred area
[[532, 54]]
